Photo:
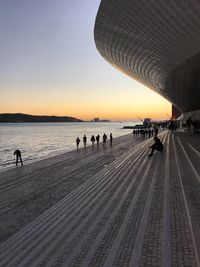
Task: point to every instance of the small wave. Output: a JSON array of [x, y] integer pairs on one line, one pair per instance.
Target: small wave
[[7, 164], [6, 150]]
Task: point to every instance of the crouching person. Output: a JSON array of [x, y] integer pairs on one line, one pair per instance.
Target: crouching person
[[156, 146]]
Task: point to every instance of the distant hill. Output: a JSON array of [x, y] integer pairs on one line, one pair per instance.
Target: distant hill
[[19, 117]]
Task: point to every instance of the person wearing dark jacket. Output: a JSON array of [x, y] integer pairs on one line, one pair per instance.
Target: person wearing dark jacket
[[111, 139], [156, 146], [18, 157], [84, 140], [92, 139], [78, 140], [104, 139], [97, 139]]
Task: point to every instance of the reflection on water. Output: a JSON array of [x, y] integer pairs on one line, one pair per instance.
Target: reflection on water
[[39, 140]]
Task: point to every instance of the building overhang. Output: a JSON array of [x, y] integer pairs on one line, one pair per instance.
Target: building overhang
[[156, 43]]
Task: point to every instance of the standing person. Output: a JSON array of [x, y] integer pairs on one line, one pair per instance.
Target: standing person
[[84, 140], [149, 132], [104, 139], [78, 140], [189, 123], [111, 139], [97, 139], [146, 132], [156, 146], [92, 139], [156, 131], [18, 157]]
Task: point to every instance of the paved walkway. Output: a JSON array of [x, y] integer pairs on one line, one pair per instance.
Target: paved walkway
[[27, 192], [137, 211]]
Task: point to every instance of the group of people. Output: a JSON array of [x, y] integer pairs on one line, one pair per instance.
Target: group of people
[[142, 132], [145, 132], [94, 139], [156, 146]]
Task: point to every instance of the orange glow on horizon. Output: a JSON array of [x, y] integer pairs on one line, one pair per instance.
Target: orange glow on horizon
[[112, 104], [112, 113]]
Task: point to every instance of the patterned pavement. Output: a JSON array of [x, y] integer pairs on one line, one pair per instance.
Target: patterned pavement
[[136, 211]]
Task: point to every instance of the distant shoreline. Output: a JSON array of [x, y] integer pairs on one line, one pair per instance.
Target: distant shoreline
[[15, 122], [26, 118]]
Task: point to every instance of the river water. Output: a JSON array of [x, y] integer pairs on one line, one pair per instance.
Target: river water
[[41, 140]]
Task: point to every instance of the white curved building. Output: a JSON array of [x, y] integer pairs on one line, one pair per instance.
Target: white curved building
[[157, 42]]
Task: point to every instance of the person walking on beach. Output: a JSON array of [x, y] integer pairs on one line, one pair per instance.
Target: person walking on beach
[[97, 139], [104, 139], [111, 139], [78, 140], [84, 140], [18, 157], [156, 146], [92, 139]]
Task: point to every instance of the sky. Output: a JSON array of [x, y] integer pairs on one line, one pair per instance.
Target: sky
[[49, 65]]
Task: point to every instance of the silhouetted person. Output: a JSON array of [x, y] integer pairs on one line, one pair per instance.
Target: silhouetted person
[[104, 139], [78, 140], [97, 139], [149, 132], [189, 123], [146, 132], [111, 139], [156, 146], [84, 140], [92, 139], [156, 131], [142, 132], [18, 157]]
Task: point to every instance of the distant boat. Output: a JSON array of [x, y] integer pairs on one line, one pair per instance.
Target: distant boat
[[137, 126], [146, 123]]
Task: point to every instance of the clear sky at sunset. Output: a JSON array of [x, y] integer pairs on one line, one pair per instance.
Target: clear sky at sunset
[[49, 65]]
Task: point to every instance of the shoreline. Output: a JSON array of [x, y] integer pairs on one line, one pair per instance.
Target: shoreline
[[31, 190], [32, 161]]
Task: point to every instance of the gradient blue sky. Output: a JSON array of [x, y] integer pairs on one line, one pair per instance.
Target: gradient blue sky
[[49, 65]]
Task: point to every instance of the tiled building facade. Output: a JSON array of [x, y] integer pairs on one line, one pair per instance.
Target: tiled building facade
[[157, 42]]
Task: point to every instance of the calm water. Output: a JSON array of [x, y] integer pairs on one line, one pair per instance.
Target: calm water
[[40, 140]]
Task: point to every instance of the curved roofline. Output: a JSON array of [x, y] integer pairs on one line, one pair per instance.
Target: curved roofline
[[155, 43]]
